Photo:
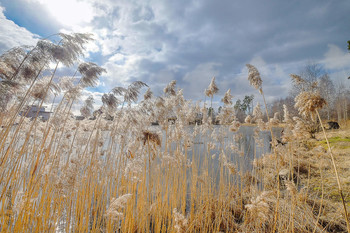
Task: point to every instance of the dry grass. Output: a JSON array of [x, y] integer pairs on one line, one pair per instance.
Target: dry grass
[[123, 175]]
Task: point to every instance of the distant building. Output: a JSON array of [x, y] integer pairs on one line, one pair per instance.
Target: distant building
[[33, 111], [79, 118]]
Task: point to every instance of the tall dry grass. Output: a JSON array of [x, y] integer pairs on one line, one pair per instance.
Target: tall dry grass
[[123, 175]]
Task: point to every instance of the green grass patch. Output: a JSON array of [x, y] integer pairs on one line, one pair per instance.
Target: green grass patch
[[337, 142]]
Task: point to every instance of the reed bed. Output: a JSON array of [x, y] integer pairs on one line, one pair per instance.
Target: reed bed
[[117, 173]]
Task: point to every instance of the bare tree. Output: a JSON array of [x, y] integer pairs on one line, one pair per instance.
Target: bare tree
[[307, 79], [87, 108], [327, 91], [341, 101], [240, 113], [277, 106]]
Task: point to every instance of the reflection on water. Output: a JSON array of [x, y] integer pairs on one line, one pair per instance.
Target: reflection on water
[[240, 147], [210, 151]]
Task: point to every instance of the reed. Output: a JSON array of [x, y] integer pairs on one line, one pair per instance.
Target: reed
[[121, 174]]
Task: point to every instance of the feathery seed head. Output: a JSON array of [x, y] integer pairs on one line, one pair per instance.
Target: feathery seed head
[[68, 50], [308, 103], [254, 77], [131, 93], [181, 222], [116, 206], [110, 102], [297, 79], [66, 83], [170, 88], [74, 92], [259, 209], [28, 73], [212, 88], [90, 72], [248, 119], [291, 188], [257, 113], [8, 84], [227, 97], [151, 137], [43, 88], [148, 95], [235, 126], [10, 62], [286, 117]]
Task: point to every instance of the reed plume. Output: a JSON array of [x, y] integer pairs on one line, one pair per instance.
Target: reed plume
[[227, 99], [257, 113], [116, 206], [254, 77], [297, 79], [170, 88], [130, 93], [212, 89], [110, 102], [90, 73], [148, 94], [308, 103]]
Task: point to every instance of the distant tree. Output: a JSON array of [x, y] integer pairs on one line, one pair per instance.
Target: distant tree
[[327, 91], [219, 109], [307, 80], [277, 106], [349, 50], [240, 110], [211, 114], [341, 101], [238, 105], [247, 104], [87, 108]]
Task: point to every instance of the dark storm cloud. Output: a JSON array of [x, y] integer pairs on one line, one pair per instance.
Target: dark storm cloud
[[278, 31]]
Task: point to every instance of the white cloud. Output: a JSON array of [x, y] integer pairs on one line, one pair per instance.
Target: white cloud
[[119, 74], [13, 35], [275, 78], [199, 79], [337, 62], [117, 58], [335, 58], [69, 12]]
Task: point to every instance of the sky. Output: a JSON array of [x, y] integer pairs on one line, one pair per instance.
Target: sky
[[191, 41]]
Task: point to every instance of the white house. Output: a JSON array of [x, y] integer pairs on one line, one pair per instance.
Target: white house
[[33, 111]]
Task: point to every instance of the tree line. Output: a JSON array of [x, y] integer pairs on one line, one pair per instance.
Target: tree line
[[314, 78]]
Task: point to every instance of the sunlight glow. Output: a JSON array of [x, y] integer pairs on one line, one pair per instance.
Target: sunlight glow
[[70, 12]]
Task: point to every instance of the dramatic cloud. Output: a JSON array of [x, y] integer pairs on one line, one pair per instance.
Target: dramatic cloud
[[191, 41]]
